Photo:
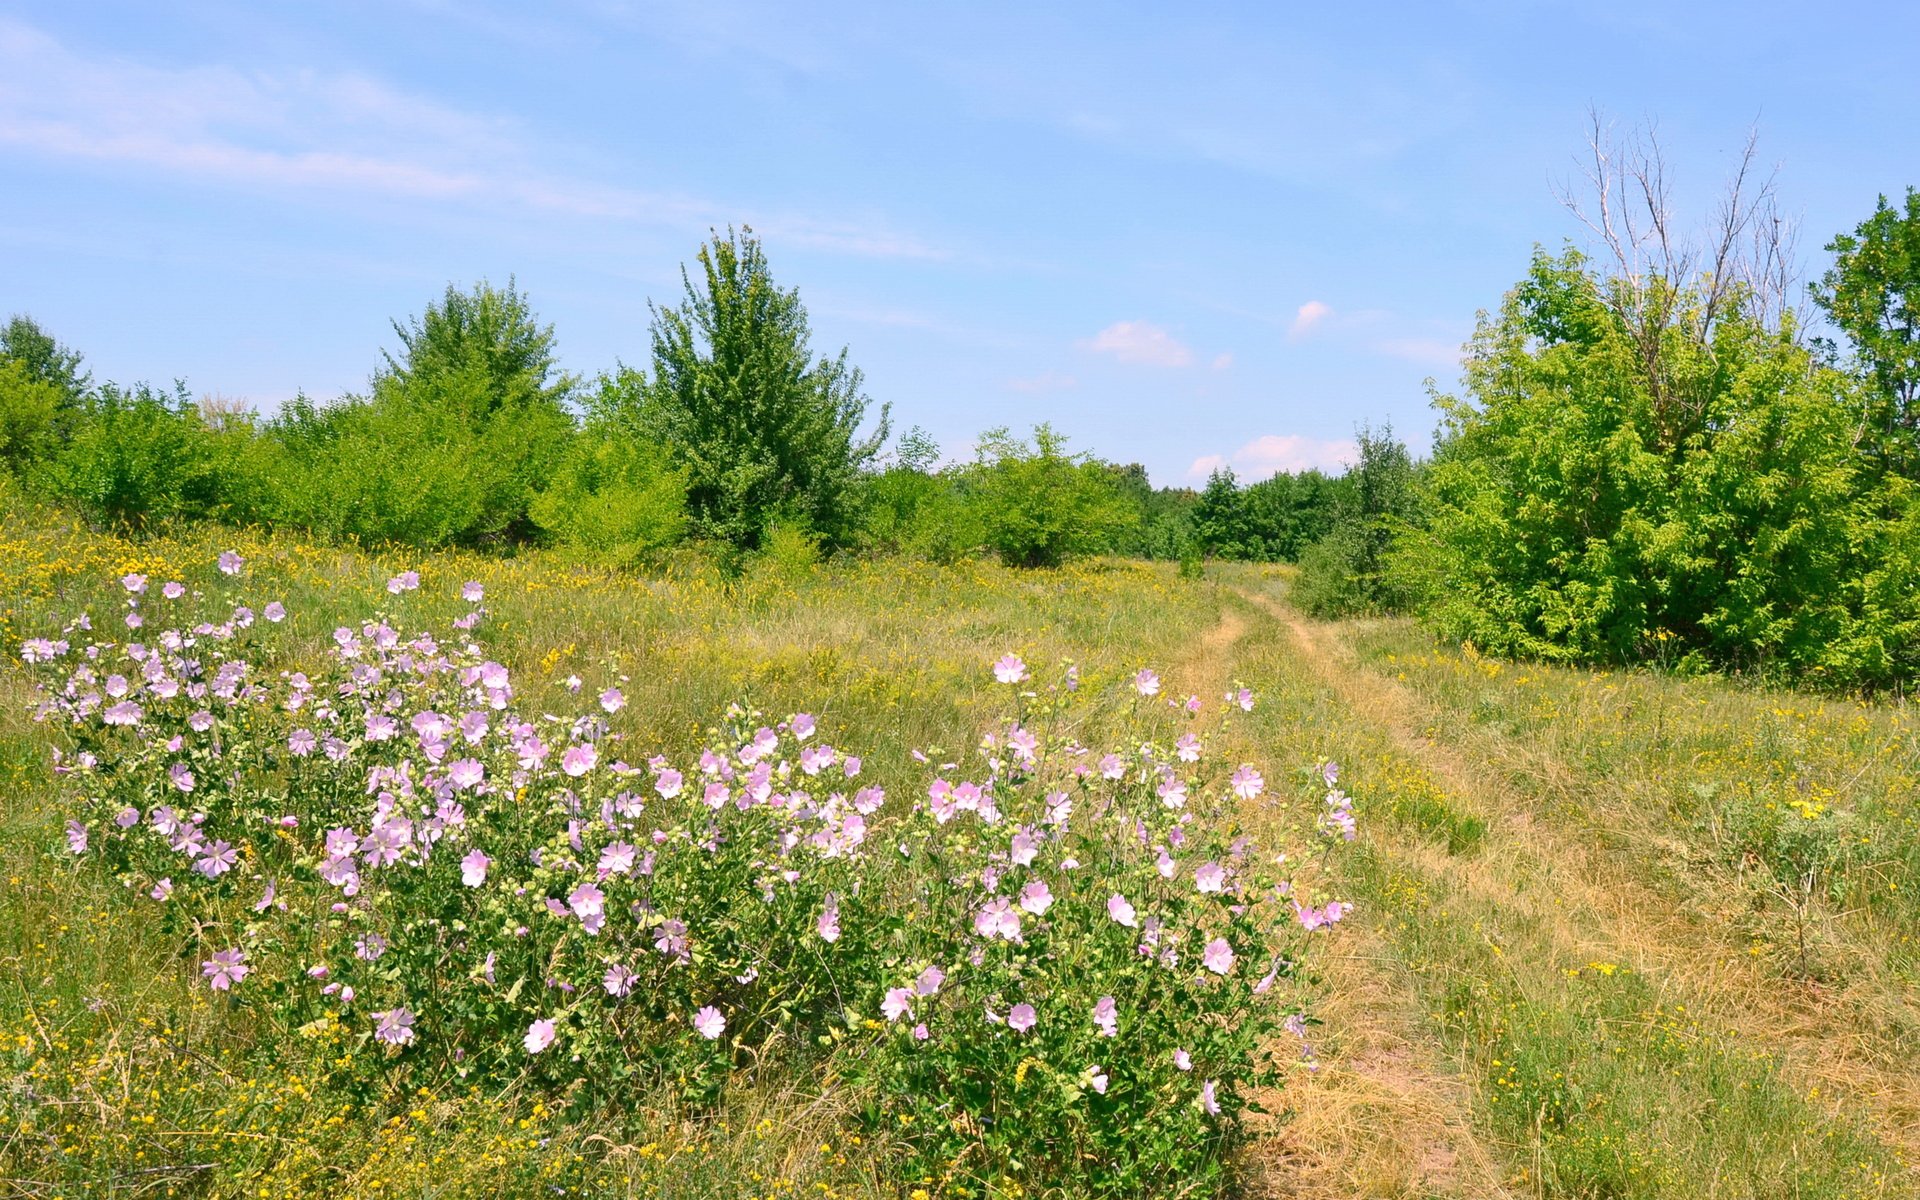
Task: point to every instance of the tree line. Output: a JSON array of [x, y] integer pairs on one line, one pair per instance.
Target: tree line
[[733, 435]]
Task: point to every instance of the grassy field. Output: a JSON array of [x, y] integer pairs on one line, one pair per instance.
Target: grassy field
[[1617, 934]]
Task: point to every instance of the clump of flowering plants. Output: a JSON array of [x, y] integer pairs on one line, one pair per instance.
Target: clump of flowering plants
[[1050, 963]]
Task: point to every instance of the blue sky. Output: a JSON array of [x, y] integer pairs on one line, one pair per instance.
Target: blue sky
[[1185, 234]]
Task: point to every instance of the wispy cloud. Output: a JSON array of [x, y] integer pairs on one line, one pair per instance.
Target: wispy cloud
[[1308, 318], [338, 134], [1140, 342], [1263, 456]]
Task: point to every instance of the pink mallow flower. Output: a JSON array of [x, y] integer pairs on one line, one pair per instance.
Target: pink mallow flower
[[225, 968], [1021, 1018], [998, 919], [539, 1036], [709, 1022], [1036, 897], [898, 1003], [619, 979], [578, 760], [394, 1026], [1009, 669], [1218, 956], [1121, 910]]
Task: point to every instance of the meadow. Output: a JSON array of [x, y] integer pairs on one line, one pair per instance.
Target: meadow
[[1612, 934]]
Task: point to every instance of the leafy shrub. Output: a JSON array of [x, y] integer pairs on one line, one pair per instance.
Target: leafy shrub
[[1587, 504], [29, 410], [458, 434], [135, 456], [1050, 967], [614, 498], [1037, 505]]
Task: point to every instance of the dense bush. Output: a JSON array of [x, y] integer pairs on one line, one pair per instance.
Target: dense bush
[[1036, 505], [1597, 502], [1051, 966], [457, 436], [134, 456], [614, 498], [30, 410]]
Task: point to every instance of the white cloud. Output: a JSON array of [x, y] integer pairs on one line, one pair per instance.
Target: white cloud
[[338, 133], [1263, 456], [1140, 342], [1427, 351], [1308, 318], [1222, 361], [1045, 381]]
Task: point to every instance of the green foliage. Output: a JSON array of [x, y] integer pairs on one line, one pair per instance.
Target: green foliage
[[451, 446], [29, 409], [1273, 520], [766, 432], [1220, 517], [1164, 528], [615, 499], [900, 500], [1351, 568], [1872, 292], [1037, 505], [1597, 492], [136, 456], [44, 360]]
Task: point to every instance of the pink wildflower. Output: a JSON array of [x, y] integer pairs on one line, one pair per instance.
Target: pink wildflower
[[539, 1036]]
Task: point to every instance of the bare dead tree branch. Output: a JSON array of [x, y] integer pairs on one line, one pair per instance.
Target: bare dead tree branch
[[1664, 280]]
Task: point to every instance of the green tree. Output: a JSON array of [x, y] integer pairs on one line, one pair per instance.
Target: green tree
[[767, 432], [1220, 518], [487, 334], [29, 409], [1572, 516], [1286, 513], [1036, 505], [1872, 293], [1350, 568], [44, 360], [460, 430]]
